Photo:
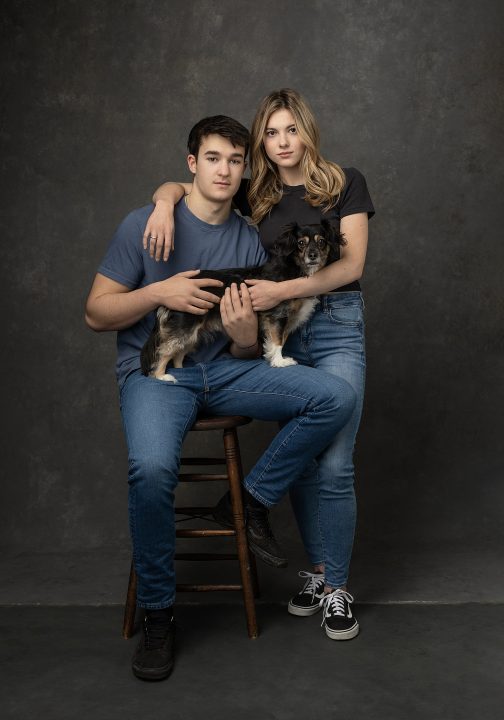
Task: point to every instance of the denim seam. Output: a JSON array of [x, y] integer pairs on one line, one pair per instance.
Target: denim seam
[[322, 562], [305, 340], [286, 395], [132, 524], [206, 388], [188, 424]]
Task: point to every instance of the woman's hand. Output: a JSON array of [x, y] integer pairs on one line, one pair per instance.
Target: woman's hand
[[265, 294], [239, 320], [159, 232]]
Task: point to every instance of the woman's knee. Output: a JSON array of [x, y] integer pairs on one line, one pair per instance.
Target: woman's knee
[[341, 396]]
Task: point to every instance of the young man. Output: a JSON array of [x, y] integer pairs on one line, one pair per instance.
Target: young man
[[225, 377]]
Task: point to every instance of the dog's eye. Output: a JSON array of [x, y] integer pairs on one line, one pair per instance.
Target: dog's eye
[[302, 243], [321, 243]]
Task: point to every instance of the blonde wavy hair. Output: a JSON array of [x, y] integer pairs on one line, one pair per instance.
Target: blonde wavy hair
[[323, 180]]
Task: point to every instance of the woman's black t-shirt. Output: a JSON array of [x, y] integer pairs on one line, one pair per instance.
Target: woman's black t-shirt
[[354, 198]]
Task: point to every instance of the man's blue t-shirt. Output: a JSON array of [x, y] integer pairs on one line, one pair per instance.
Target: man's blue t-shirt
[[198, 245]]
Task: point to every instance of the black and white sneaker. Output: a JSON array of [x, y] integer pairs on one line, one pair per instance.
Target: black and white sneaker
[[307, 602], [338, 620]]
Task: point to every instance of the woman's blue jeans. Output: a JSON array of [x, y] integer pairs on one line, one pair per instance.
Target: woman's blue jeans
[[323, 498], [311, 405]]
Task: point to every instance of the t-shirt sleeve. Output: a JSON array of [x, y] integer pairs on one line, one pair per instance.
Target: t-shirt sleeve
[[240, 200], [355, 197], [123, 260], [260, 255]]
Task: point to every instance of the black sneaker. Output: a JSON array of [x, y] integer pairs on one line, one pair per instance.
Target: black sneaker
[[259, 533], [339, 622], [153, 658], [261, 539], [307, 602]]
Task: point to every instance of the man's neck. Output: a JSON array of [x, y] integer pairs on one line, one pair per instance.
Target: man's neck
[[211, 212]]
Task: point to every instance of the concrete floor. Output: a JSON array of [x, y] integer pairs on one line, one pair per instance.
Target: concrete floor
[[410, 662], [394, 575]]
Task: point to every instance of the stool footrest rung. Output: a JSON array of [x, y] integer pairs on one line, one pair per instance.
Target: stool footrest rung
[[206, 556], [204, 533], [207, 588], [202, 477]]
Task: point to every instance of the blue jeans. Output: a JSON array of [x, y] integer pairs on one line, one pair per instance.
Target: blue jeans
[[323, 498], [311, 405]]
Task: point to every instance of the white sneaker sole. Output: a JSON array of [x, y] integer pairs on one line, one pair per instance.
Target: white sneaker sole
[[343, 634], [302, 611]]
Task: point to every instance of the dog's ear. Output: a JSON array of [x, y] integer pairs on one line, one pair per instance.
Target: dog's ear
[[286, 242], [332, 235], [334, 238]]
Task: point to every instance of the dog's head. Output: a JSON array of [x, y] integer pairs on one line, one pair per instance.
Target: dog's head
[[310, 247]]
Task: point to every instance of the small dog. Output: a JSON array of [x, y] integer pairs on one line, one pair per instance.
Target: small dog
[[299, 252]]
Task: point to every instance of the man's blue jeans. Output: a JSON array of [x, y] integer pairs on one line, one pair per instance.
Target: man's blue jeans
[[312, 405], [323, 498]]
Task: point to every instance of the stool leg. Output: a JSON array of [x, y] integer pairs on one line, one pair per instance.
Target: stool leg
[[252, 560], [130, 607], [233, 462], [255, 578]]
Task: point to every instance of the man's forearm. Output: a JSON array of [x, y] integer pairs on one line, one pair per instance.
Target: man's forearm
[[117, 311]]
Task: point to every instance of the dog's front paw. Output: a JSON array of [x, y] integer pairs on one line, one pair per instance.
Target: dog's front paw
[[168, 378], [282, 361]]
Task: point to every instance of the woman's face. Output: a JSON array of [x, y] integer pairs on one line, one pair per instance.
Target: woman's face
[[281, 141]]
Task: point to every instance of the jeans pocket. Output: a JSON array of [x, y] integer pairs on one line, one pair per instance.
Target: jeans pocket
[[346, 314]]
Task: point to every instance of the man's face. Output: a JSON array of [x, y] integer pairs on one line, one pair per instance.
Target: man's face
[[218, 168]]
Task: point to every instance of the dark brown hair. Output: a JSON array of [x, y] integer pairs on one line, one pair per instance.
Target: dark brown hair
[[221, 125]]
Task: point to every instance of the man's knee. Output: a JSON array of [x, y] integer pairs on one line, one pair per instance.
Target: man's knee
[[335, 395], [153, 473]]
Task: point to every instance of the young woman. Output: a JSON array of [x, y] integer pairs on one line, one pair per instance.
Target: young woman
[[291, 181]]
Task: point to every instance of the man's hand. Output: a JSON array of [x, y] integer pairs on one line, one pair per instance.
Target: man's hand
[[265, 294], [184, 292], [239, 320]]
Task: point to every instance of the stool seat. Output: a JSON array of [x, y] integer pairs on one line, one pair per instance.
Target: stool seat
[[234, 476], [220, 423]]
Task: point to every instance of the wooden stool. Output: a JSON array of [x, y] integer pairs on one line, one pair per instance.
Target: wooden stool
[[234, 475]]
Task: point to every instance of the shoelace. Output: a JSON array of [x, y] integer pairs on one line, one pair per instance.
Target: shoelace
[[334, 603], [156, 632], [314, 584]]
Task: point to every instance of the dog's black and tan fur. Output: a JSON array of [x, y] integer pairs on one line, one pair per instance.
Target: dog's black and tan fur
[[299, 252]]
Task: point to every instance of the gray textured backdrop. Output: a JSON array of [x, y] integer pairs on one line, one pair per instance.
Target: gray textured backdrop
[[97, 101]]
